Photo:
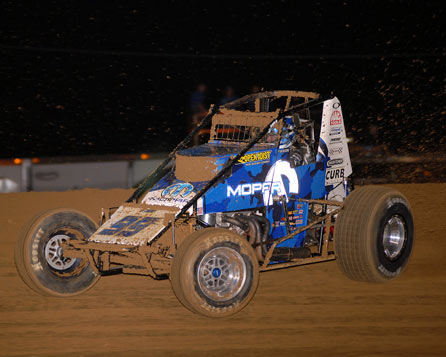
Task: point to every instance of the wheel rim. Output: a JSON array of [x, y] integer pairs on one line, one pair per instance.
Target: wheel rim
[[54, 255], [221, 274], [394, 237]]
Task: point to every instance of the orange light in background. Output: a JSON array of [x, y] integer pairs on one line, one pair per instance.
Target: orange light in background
[[35, 160], [17, 161], [144, 156]]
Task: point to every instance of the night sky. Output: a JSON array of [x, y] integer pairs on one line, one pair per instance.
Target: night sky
[[83, 77]]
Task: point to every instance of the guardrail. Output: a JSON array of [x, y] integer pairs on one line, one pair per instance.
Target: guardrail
[[59, 174]]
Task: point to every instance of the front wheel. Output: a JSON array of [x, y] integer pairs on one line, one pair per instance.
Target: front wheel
[[215, 272], [39, 256], [374, 234]]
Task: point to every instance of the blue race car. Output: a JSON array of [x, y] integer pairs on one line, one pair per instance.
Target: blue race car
[[263, 193]]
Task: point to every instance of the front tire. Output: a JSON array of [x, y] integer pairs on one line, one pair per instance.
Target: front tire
[[215, 272], [39, 258], [374, 234]]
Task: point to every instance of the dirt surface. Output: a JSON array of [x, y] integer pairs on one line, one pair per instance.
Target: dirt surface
[[309, 310]]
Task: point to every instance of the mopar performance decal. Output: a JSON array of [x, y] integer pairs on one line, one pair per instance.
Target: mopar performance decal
[[252, 186], [256, 157], [280, 180]]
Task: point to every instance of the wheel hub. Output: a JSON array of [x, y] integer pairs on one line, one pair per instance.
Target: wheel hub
[[54, 253], [221, 274], [394, 237], [216, 272]]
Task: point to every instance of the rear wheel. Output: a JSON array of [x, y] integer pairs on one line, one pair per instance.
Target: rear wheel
[[39, 255], [215, 272], [374, 234]]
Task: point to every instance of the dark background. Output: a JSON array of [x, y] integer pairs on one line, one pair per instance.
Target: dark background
[[82, 77]]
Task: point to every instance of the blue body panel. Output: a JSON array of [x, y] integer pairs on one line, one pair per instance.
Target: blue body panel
[[254, 181]]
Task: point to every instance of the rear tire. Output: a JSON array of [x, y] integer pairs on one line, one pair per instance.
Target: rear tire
[[374, 234], [39, 258], [215, 272]]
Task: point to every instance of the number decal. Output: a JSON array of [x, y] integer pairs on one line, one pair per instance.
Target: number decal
[[118, 226], [138, 226], [128, 226]]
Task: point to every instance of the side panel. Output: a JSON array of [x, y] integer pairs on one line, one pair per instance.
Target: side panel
[[253, 186], [333, 149]]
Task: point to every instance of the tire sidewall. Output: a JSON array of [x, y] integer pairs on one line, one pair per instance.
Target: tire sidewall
[[393, 205], [248, 279], [197, 299], [72, 281]]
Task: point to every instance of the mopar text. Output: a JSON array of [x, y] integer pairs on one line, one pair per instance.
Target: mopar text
[[248, 189]]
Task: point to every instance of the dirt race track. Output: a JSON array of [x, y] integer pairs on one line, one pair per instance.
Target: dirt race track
[[309, 310]]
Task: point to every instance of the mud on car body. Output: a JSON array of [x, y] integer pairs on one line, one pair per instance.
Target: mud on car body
[[263, 193]]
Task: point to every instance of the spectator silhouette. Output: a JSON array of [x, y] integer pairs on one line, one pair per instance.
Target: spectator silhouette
[[228, 96], [198, 99], [198, 108]]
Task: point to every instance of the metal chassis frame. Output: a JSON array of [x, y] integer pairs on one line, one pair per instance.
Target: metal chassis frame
[[138, 259], [128, 259], [325, 255]]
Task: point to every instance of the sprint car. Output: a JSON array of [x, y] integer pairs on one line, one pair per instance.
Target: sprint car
[[263, 193]]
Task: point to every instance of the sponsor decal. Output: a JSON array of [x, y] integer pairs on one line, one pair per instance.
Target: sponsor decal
[[336, 118], [335, 131], [295, 217], [272, 186], [176, 195], [334, 140], [155, 199], [335, 150], [335, 162], [255, 157], [334, 175], [178, 189], [248, 189], [280, 170]]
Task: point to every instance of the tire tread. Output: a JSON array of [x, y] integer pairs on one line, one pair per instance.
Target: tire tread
[[352, 233]]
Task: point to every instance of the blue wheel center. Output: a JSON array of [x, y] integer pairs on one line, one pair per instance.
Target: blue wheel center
[[216, 272]]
